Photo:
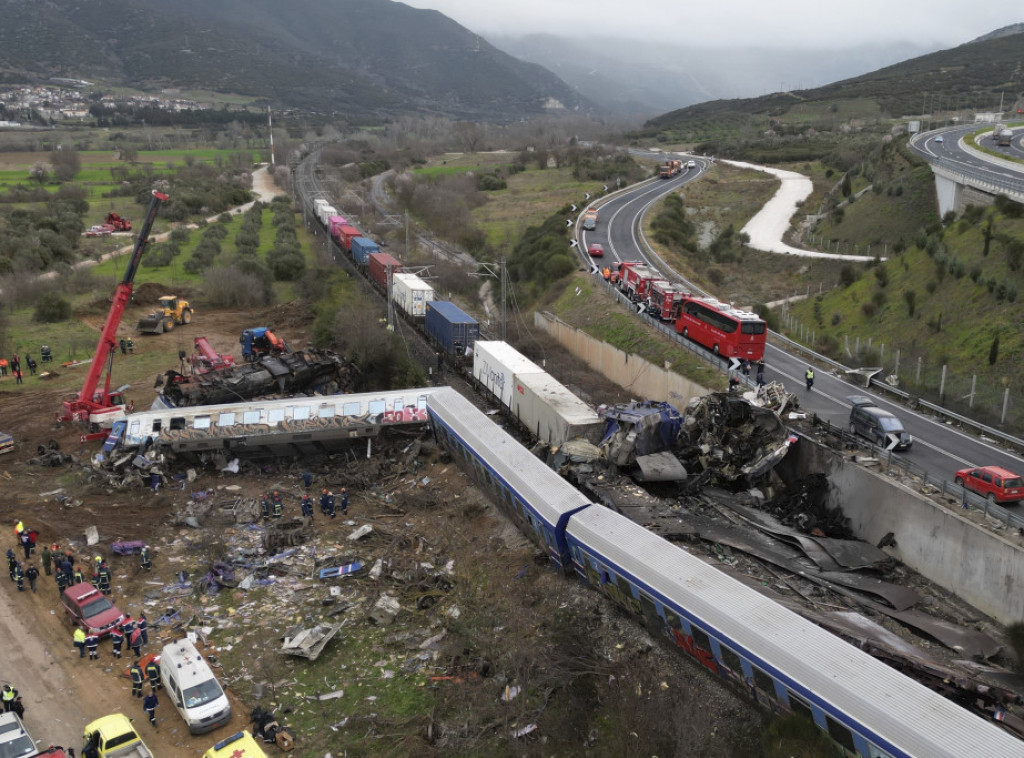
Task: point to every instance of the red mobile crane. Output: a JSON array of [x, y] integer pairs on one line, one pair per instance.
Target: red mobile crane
[[100, 407]]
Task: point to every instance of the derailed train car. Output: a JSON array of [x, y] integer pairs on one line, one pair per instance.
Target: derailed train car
[[301, 371], [761, 648], [544, 407]]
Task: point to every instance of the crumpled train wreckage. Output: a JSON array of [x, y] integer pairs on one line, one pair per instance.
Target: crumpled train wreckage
[[302, 371], [720, 438]]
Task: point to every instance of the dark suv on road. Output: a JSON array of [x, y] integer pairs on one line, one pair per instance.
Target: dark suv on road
[[877, 424]]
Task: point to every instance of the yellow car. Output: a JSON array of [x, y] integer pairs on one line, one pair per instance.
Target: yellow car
[[238, 745]]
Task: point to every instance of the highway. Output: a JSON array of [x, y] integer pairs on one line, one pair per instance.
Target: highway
[[938, 447], [944, 148]]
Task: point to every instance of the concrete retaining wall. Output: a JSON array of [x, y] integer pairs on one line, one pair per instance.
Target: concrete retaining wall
[[980, 567], [631, 372]]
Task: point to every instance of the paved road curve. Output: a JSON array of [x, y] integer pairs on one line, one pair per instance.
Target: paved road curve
[[938, 447]]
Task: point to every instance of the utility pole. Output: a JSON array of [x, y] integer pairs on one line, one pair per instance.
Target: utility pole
[[504, 299], [391, 301], [501, 273], [270, 122]]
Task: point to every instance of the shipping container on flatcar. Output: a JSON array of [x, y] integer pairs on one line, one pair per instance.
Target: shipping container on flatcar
[[379, 263], [411, 294], [450, 328], [362, 249]]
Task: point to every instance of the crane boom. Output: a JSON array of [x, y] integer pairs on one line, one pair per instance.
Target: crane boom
[[101, 407]]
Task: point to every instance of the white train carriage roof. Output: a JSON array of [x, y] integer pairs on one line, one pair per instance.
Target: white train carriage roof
[[394, 405], [907, 715], [546, 493]]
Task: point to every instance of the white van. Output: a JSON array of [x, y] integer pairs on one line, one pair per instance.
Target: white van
[[192, 687]]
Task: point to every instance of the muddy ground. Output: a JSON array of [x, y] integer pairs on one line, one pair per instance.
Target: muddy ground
[[487, 614]]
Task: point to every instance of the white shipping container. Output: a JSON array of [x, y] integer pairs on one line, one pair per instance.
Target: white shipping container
[[318, 206], [495, 366], [411, 294], [325, 214], [551, 412]]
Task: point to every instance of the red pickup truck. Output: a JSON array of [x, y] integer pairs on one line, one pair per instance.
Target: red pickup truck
[[90, 609]]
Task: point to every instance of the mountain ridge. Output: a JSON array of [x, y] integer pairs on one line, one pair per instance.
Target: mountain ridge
[[364, 59]]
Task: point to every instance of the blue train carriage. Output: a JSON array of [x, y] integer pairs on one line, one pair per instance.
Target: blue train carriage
[[777, 657], [537, 499]]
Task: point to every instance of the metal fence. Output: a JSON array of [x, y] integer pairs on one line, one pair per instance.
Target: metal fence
[[992, 406]]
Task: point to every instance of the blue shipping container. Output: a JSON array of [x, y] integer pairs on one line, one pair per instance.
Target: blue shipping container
[[362, 248], [450, 327]]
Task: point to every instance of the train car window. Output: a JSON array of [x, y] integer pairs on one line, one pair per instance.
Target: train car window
[[300, 413], [133, 429], [874, 752], [651, 616], [606, 577], [731, 660], [226, 419], [201, 422], [421, 404], [251, 417], [700, 638], [764, 682], [377, 407], [673, 620], [325, 411], [351, 409], [275, 416], [798, 705], [840, 734], [178, 422], [156, 425]]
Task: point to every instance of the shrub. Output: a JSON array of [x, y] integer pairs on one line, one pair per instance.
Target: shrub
[[158, 258], [910, 298], [957, 269], [836, 318], [1011, 295], [878, 298], [1001, 291], [180, 235], [975, 273], [51, 309], [931, 287], [847, 275], [991, 284], [715, 275], [869, 309], [1008, 207], [882, 275], [230, 287]]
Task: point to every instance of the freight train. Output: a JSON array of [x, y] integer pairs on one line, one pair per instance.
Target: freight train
[[535, 399], [756, 645]]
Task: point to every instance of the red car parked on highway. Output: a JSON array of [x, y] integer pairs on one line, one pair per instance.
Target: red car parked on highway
[[995, 483], [596, 251]]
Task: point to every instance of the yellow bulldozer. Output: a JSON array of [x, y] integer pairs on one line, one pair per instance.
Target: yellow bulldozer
[[170, 312]]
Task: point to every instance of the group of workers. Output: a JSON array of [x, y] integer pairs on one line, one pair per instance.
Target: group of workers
[[272, 504]]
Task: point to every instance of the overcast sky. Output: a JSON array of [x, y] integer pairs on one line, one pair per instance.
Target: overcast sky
[[714, 23]]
